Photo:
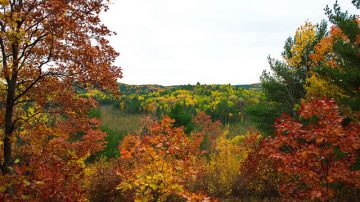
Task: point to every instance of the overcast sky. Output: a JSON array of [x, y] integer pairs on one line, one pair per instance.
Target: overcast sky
[[172, 42]]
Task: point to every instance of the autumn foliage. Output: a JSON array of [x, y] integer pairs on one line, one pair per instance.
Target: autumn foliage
[[159, 164], [223, 169], [317, 153], [50, 50], [57, 68]]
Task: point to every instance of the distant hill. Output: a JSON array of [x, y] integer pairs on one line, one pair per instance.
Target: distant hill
[[249, 86], [144, 89]]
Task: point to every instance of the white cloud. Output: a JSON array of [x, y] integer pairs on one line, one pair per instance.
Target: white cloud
[[211, 41]]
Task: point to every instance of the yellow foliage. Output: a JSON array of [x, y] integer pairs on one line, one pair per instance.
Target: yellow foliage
[[158, 176], [305, 35], [223, 169], [318, 87], [4, 2], [97, 94], [34, 115], [151, 107]]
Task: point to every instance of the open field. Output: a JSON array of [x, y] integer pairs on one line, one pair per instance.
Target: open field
[[120, 121], [117, 125]]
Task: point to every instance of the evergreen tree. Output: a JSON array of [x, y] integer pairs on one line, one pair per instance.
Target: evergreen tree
[[346, 51]]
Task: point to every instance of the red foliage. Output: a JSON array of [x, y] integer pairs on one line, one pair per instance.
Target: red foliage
[[211, 129], [316, 153], [51, 164], [258, 176]]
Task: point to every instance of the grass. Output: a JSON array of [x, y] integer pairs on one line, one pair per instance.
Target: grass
[[120, 121], [117, 125], [240, 128]]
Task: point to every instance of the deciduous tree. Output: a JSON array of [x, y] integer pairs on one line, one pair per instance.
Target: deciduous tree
[[317, 153], [46, 48], [337, 57]]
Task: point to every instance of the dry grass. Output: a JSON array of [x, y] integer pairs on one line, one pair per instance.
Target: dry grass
[[120, 121], [240, 128]]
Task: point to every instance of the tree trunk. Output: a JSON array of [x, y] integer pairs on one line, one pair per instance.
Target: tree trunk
[[9, 127], [9, 111]]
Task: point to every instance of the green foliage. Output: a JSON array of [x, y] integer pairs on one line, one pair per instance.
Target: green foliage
[[113, 139], [101, 96], [356, 3], [285, 86], [346, 48], [95, 113], [133, 105], [263, 116], [183, 117]]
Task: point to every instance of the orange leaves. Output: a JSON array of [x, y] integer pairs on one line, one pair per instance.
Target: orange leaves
[[156, 165], [206, 125], [209, 129], [125, 153], [323, 51], [316, 151], [51, 49], [52, 162], [129, 145]]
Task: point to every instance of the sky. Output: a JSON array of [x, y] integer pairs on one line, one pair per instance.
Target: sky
[[172, 42]]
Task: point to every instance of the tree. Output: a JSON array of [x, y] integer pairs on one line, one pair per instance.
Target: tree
[[211, 129], [337, 56], [47, 47], [182, 115], [299, 49], [286, 83], [284, 86], [316, 152], [263, 115], [283, 89]]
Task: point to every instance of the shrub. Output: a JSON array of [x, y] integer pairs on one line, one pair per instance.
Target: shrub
[[317, 152], [159, 164]]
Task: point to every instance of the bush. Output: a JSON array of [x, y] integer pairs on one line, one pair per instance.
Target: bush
[[223, 168], [316, 153], [159, 164]]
